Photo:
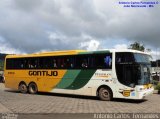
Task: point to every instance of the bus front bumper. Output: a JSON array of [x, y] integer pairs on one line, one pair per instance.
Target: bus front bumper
[[143, 94]]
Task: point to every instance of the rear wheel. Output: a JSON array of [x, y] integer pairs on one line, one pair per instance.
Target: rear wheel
[[22, 88], [105, 94], [32, 88]]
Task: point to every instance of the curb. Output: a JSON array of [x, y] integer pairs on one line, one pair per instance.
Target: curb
[[156, 92]]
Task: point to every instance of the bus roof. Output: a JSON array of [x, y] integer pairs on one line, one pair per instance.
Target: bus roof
[[54, 53], [126, 50], [73, 52]]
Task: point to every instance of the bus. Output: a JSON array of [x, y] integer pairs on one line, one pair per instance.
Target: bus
[[107, 74]]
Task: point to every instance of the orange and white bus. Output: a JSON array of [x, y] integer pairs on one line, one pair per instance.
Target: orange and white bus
[[107, 73]]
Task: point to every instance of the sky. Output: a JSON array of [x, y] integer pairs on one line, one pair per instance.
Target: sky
[[29, 26]]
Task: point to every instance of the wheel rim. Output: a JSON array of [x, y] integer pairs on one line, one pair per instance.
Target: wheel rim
[[23, 88], [105, 93], [33, 88]]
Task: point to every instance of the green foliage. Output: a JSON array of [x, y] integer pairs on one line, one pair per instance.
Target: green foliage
[[1, 65], [155, 82], [157, 87], [138, 46]]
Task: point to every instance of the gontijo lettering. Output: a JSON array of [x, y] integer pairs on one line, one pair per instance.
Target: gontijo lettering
[[43, 73]]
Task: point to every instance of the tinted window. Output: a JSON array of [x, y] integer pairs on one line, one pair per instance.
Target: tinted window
[[103, 61], [124, 57], [142, 58], [128, 73], [88, 61], [83, 61], [40, 63]]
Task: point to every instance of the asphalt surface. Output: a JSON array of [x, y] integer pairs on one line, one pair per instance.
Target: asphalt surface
[[49, 105]]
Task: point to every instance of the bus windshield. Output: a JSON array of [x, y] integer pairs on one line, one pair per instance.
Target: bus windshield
[[144, 77], [144, 62], [142, 58], [133, 68]]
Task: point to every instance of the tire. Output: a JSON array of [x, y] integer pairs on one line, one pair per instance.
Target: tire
[[32, 88], [105, 94], [23, 88]]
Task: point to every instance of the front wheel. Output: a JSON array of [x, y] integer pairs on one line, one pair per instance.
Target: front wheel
[[105, 94], [32, 88]]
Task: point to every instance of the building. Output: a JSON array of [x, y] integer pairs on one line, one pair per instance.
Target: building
[[155, 70]]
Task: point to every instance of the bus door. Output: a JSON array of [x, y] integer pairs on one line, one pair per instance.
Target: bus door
[[127, 74]]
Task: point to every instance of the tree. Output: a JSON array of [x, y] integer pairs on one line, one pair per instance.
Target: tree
[[139, 46]]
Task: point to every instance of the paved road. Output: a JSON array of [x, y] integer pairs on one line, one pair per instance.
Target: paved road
[[44, 103]]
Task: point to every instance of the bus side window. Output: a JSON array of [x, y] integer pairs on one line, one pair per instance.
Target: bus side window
[[63, 63], [36, 63], [54, 63], [108, 61], [17, 64], [30, 64], [84, 63], [60, 63], [22, 64], [69, 63], [42, 63], [33, 63], [103, 61]]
